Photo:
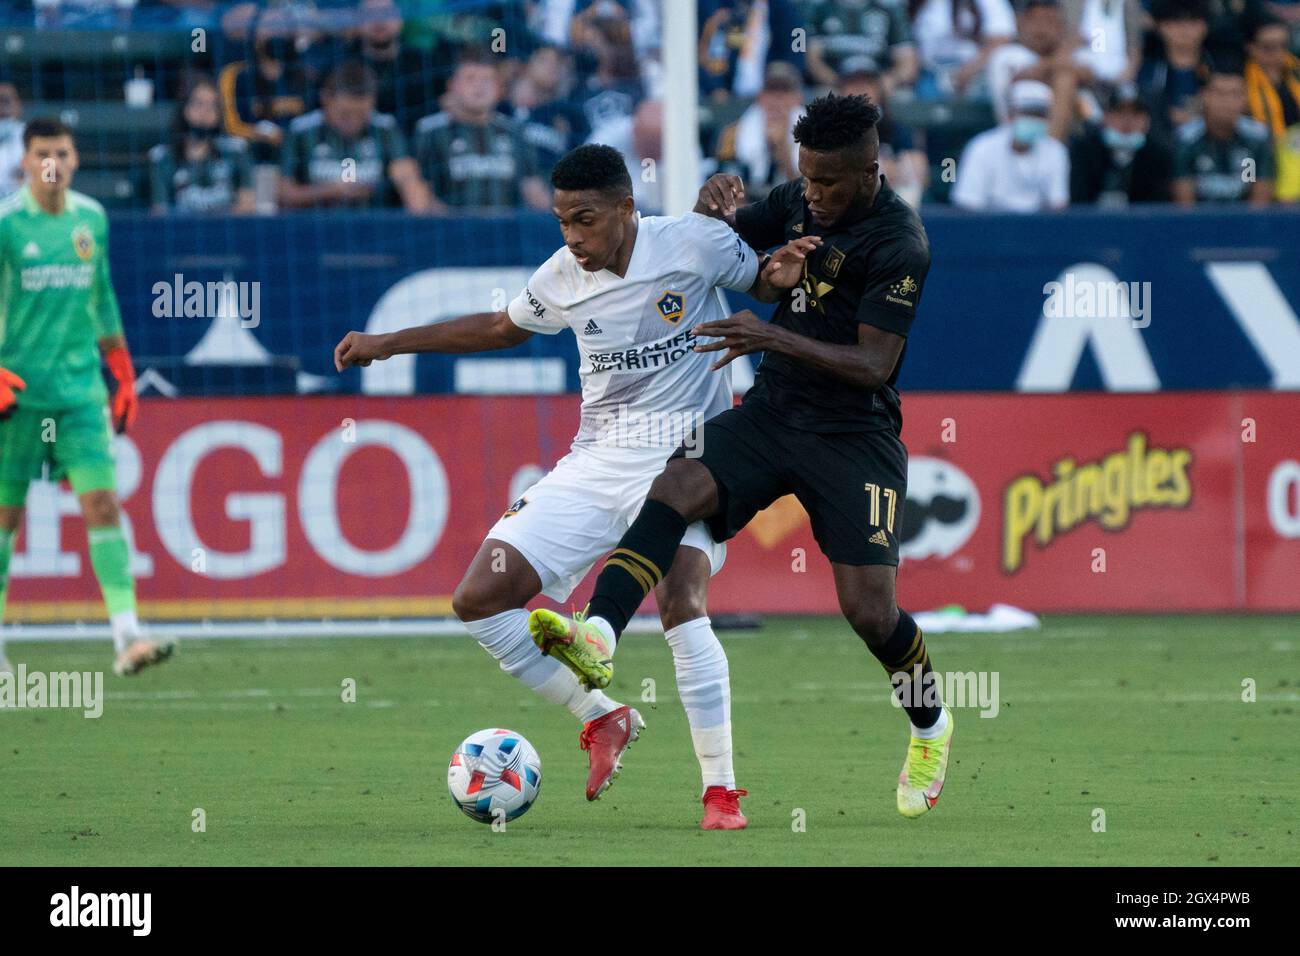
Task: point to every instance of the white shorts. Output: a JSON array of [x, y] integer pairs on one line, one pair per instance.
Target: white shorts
[[576, 515]]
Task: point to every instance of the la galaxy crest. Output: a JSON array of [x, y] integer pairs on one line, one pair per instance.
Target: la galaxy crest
[[515, 508], [83, 242], [671, 306]]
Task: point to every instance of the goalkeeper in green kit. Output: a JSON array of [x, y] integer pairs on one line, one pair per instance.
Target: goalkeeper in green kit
[[59, 320]]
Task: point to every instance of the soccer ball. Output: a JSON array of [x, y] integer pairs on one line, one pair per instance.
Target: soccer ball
[[494, 775]]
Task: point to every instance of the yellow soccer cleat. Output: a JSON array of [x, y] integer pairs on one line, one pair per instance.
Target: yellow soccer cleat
[[141, 654], [921, 781], [580, 646]]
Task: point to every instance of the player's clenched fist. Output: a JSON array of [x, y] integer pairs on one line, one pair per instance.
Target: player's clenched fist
[[785, 266], [358, 348], [10, 385], [719, 196]]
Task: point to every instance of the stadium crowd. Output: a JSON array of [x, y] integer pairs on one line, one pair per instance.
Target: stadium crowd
[[385, 103]]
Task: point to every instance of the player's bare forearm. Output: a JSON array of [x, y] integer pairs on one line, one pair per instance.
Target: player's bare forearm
[[479, 332], [781, 271], [859, 364], [764, 291], [866, 364]]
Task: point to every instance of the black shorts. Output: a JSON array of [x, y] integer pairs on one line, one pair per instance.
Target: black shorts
[[852, 484]]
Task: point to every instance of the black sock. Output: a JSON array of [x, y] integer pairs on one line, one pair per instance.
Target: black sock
[[640, 561], [902, 654]]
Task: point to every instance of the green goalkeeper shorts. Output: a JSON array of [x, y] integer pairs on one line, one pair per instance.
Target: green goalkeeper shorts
[[74, 443]]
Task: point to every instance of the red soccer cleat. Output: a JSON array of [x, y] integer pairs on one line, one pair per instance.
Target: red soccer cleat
[[722, 809], [606, 739]]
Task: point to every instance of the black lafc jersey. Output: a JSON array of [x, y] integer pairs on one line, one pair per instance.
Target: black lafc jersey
[[870, 271]]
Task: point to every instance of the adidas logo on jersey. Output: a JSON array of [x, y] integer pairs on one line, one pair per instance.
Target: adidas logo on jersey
[[31, 251], [592, 328], [879, 538]]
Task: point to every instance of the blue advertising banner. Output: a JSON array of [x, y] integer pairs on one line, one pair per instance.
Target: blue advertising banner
[[1082, 300]]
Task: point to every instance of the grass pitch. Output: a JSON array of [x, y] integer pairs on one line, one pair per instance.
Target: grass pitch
[[1141, 718]]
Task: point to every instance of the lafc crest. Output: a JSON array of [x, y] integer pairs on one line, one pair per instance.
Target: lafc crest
[[832, 262], [671, 306], [814, 289], [83, 241]]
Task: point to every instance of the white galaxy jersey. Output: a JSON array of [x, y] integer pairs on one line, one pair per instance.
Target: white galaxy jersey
[[643, 387]]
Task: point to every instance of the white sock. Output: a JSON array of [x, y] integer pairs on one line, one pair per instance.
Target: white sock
[[934, 732], [704, 685], [126, 628], [605, 628], [505, 636]]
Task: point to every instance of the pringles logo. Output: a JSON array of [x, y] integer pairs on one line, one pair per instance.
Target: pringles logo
[[1107, 491]]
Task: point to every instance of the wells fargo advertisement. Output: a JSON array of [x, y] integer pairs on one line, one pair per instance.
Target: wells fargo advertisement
[[373, 507]]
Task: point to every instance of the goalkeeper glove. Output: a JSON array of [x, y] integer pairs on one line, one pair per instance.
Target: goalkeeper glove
[[123, 403], [9, 384]]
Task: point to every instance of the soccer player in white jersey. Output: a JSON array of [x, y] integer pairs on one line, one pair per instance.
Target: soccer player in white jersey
[[631, 289]]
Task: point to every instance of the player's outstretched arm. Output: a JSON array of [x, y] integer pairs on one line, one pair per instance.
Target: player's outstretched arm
[[480, 332]]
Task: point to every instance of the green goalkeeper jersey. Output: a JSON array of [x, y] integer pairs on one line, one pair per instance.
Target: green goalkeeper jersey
[[56, 298]]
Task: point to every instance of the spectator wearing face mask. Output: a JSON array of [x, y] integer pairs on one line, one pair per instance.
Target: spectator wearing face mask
[[404, 73], [198, 170], [1017, 166], [1115, 162], [262, 94], [1224, 157], [1273, 97]]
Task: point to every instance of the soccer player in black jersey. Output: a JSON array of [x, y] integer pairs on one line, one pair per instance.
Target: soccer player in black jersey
[[822, 422]]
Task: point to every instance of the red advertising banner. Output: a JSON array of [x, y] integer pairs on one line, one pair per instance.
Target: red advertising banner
[[373, 507]]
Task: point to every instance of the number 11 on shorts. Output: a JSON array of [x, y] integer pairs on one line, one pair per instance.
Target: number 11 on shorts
[[891, 497]]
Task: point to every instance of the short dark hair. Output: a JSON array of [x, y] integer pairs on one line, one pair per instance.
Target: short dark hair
[[833, 123], [44, 126], [1264, 22], [1227, 64], [593, 166], [1162, 10], [351, 78], [474, 56]]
